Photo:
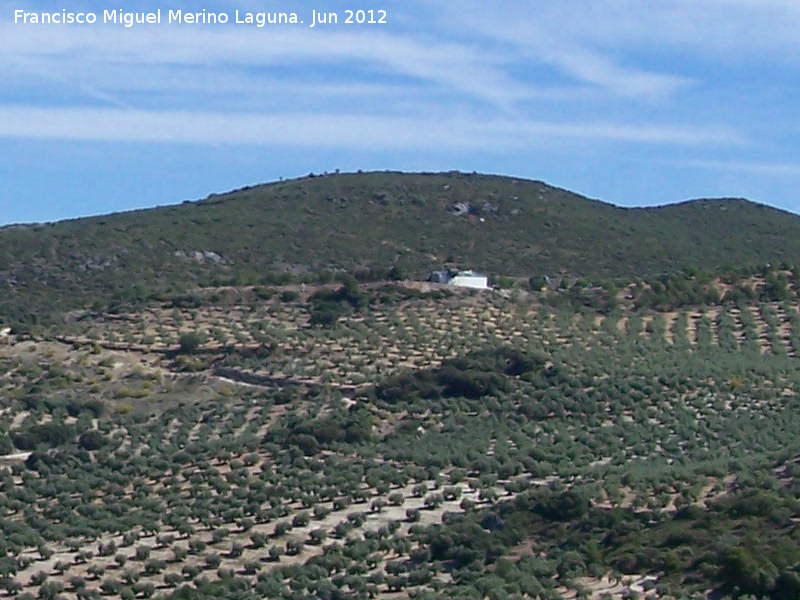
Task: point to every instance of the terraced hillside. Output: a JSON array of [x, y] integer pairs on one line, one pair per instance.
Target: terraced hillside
[[402, 441], [275, 339]]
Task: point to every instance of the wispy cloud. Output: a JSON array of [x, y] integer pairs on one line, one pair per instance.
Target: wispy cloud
[[548, 35], [109, 51], [633, 48], [757, 29], [192, 84], [598, 70], [750, 168], [357, 131]]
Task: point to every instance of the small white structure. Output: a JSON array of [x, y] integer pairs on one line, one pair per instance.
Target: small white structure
[[470, 279]]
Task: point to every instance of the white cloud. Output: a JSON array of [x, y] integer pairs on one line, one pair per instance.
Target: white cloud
[[595, 69], [351, 130], [609, 44], [475, 59], [552, 35], [453, 66], [753, 168]]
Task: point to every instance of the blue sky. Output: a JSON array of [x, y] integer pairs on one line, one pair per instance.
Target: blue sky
[[631, 102]]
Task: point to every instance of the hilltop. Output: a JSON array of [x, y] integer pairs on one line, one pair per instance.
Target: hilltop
[[367, 223]]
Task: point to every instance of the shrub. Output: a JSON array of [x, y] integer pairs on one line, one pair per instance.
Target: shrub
[[43, 434], [92, 440], [307, 443], [190, 342], [473, 375]]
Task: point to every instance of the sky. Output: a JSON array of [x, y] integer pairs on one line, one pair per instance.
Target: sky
[[634, 103]]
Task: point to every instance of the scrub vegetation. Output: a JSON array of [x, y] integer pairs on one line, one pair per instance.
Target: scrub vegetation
[[375, 226], [569, 436]]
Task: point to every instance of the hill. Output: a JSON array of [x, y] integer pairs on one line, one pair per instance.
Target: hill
[[627, 428], [367, 223], [428, 443]]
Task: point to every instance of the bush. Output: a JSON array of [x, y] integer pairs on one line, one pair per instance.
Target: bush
[[470, 383], [308, 444], [328, 305], [565, 506], [474, 375], [190, 342], [92, 440], [6, 447], [325, 316], [44, 434]]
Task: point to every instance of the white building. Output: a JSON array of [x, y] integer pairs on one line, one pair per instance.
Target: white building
[[470, 279]]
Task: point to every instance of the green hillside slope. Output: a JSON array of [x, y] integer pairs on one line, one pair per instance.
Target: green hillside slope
[[373, 221]]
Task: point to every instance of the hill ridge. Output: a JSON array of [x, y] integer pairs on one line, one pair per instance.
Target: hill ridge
[[369, 222]]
